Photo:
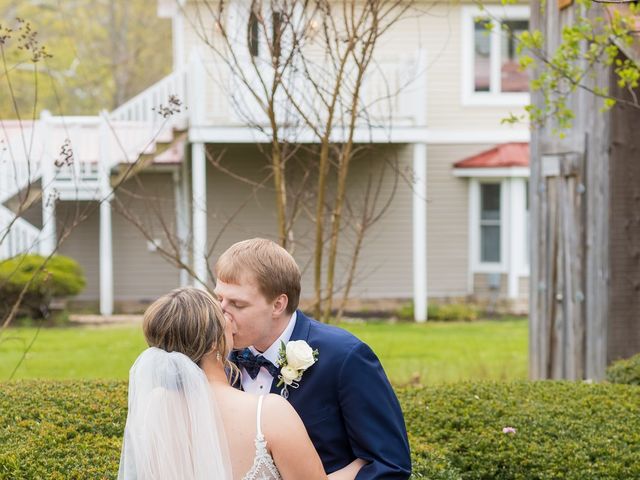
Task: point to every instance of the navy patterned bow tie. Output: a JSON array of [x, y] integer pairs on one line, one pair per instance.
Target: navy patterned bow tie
[[252, 363]]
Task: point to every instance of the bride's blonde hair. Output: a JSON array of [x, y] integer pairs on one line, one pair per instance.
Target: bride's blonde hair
[[189, 321]]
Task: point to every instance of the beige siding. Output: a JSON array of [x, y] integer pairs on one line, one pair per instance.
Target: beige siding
[[385, 262], [448, 221], [523, 286], [79, 222], [138, 273], [385, 267], [434, 27]]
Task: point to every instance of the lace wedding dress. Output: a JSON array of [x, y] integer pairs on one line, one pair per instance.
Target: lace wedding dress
[[263, 467]]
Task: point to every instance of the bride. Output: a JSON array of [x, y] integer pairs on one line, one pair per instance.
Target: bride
[[185, 420]]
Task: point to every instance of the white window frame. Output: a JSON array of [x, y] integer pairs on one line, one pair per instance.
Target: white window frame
[[494, 97], [477, 265]]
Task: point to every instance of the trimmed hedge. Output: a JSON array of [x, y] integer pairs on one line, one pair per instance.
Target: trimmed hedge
[[59, 276], [443, 312], [73, 430], [625, 371]]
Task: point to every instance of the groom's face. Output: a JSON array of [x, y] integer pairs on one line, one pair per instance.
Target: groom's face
[[248, 310]]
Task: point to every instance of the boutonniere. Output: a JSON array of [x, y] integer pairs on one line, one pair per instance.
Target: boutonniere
[[294, 359]]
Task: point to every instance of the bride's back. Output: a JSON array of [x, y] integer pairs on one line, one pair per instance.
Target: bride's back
[[239, 412]]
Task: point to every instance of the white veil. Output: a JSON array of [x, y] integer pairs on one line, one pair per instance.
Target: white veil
[[173, 430]]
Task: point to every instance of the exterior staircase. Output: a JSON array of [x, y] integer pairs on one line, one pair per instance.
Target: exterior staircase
[[64, 159], [17, 176]]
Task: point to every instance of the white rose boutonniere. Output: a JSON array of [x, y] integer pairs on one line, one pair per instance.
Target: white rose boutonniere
[[294, 358]]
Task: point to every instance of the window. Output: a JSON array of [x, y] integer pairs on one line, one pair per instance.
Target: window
[[253, 34], [490, 72], [490, 223], [276, 33]]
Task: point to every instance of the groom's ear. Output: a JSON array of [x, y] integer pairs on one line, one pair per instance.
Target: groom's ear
[[280, 304]]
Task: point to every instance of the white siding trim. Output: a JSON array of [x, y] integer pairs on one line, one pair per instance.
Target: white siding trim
[[398, 134], [106, 236], [517, 220], [420, 232], [522, 172], [180, 187], [476, 265], [512, 232], [199, 207], [48, 237]]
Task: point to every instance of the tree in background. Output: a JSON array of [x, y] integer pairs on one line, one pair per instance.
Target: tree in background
[[300, 68], [595, 39], [106, 51]]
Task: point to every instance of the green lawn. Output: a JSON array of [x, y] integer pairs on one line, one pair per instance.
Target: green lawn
[[432, 352]]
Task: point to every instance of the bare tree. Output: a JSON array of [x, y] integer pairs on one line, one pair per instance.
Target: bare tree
[[23, 187], [298, 73]]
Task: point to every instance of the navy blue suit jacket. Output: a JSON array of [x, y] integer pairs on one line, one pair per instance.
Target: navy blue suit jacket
[[348, 406]]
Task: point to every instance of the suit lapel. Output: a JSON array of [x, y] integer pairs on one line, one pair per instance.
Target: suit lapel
[[300, 332]]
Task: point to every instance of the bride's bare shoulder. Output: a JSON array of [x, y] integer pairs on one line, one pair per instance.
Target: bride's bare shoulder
[[278, 412]]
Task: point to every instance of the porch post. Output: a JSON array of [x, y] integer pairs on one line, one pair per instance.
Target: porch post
[[199, 207], [181, 191], [106, 239], [420, 231], [49, 238], [516, 228]]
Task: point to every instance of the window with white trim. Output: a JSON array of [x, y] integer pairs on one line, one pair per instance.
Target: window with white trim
[[490, 228], [527, 223], [491, 72]]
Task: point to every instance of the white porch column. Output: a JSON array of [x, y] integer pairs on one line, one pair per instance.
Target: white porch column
[[48, 240], [197, 89], [420, 231], [199, 207], [177, 30], [106, 239], [516, 232], [181, 191]]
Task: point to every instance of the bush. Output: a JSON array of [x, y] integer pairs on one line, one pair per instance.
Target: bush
[[625, 371], [59, 276], [443, 312], [73, 430]]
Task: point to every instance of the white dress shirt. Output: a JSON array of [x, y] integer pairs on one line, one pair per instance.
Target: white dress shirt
[[262, 383]]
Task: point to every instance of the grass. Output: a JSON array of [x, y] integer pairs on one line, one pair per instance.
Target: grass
[[425, 353]]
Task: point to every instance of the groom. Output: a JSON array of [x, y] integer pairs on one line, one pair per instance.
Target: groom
[[344, 399]]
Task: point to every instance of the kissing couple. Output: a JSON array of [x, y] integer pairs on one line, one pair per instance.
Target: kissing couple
[[246, 387]]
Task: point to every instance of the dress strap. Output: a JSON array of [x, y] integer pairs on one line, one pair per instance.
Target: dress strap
[[259, 416]]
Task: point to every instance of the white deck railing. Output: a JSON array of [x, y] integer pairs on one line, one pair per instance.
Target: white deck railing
[[392, 94], [164, 100], [213, 94], [16, 235]]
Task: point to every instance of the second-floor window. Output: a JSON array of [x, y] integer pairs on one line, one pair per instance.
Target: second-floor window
[[490, 70], [253, 34]]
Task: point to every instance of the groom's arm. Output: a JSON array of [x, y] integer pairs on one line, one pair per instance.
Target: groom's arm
[[373, 418]]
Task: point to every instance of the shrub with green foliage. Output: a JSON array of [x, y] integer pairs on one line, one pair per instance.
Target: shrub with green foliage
[[625, 371], [73, 430], [59, 276], [443, 312]]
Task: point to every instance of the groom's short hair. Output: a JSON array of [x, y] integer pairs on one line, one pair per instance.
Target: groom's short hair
[[272, 267]]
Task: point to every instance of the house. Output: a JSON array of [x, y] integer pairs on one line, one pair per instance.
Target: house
[[457, 230], [585, 262]]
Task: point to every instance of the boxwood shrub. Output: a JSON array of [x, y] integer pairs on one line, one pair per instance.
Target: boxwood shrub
[[442, 312], [73, 430], [625, 371], [59, 276]]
